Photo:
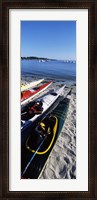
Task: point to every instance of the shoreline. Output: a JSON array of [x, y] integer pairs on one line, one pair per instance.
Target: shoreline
[[29, 77]]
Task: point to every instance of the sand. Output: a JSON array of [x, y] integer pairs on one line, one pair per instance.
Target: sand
[[62, 161]]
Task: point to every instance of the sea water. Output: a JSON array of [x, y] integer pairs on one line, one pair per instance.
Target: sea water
[[58, 70]]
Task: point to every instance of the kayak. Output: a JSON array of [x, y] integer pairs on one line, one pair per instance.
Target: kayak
[[37, 108], [29, 94], [30, 85], [39, 144]]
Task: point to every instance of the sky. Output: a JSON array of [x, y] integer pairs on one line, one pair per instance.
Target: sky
[[49, 39]]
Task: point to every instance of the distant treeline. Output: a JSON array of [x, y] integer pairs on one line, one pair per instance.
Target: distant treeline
[[35, 58]]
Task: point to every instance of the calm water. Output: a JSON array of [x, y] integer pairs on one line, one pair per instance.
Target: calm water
[[52, 69]]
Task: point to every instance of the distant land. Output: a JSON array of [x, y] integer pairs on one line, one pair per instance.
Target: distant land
[[42, 59], [36, 58]]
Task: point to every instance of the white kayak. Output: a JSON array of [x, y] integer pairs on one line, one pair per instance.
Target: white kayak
[[30, 85], [47, 101]]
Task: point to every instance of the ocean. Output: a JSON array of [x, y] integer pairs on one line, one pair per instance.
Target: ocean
[[58, 70]]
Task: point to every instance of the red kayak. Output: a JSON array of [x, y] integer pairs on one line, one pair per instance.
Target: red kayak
[[28, 94]]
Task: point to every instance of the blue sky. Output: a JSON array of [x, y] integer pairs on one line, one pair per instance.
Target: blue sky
[[50, 39]]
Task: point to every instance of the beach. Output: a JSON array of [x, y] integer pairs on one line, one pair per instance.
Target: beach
[[61, 163]]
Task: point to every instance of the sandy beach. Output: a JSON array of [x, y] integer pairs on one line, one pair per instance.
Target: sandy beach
[[61, 163]]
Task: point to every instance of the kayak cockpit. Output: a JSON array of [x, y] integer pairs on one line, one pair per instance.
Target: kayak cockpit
[[45, 133], [54, 93], [36, 107]]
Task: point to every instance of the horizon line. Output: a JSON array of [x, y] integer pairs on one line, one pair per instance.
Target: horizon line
[[48, 58]]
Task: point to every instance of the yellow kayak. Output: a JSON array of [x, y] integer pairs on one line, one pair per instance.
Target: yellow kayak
[[30, 85]]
